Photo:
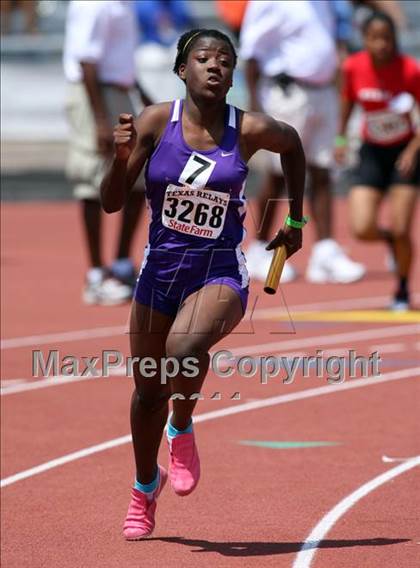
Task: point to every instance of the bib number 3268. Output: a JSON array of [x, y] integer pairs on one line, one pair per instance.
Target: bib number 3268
[[191, 208], [198, 212]]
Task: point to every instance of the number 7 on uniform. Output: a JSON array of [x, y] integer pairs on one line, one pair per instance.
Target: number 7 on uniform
[[197, 170]]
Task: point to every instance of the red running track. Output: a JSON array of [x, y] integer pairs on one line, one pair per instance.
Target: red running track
[[255, 506]]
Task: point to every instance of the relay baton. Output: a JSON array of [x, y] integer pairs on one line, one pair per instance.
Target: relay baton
[[276, 268]]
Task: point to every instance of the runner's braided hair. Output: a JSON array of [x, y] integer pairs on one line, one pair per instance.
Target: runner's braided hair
[[187, 40]]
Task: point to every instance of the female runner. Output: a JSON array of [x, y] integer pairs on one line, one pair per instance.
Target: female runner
[[193, 285], [387, 85]]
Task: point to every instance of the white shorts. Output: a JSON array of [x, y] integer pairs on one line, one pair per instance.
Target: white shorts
[[85, 167], [314, 114]]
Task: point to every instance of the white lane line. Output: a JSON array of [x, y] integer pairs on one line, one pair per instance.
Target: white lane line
[[212, 415], [387, 459], [337, 352], [63, 336], [329, 339], [66, 336], [305, 555], [25, 385], [388, 348], [349, 303], [65, 459], [9, 382]]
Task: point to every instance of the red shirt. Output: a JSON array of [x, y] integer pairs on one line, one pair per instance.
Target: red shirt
[[385, 95]]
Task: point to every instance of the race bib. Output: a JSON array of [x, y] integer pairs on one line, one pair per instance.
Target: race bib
[[386, 127], [192, 211]]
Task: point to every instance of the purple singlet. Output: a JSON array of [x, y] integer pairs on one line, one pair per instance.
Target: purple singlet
[[197, 205]]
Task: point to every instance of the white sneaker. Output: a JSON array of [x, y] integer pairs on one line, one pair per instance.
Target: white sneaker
[[329, 263], [114, 292], [400, 303], [258, 261], [94, 280], [399, 306], [105, 291]]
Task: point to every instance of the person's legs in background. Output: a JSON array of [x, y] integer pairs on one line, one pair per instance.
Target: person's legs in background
[[113, 285], [6, 9], [91, 213], [403, 200], [267, 223], [100, 287], [123, 268], [288, 106], [85, 168], [328, 261], [364, 203], [320, 200], [312, 111], [29, 9]]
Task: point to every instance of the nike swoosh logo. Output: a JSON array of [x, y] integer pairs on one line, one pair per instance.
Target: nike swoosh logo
[[224, 154]]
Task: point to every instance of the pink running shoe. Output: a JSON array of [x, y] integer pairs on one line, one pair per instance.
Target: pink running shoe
[[184, 468], [140, 520]]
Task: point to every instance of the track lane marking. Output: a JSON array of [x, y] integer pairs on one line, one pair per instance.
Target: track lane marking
[[349, 316], [212, 415], [314, 539], [387, 459], [9, 382], [329, 339], [62, 337], [25, 385], [263, 313], [389, 348]]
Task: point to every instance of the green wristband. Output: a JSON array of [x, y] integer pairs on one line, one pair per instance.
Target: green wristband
[[296, 224], [340, 141]]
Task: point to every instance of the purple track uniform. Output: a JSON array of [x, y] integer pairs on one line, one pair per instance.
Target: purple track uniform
[[197, 205]]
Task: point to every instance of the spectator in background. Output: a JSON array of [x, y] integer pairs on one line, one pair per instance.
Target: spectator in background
[[101, 37], [161, 21], [386, 84], [291, 64], [390, 7], [232, 13], [362, 9], [29, 9], [343, 25]]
